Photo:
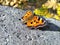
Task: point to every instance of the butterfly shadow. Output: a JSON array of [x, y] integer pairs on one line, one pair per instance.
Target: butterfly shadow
[[50, 27]]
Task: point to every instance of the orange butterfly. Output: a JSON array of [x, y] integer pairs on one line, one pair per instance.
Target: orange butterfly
[[32, 20]]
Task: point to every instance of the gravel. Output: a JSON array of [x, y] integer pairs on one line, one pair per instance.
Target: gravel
[[13, 32]]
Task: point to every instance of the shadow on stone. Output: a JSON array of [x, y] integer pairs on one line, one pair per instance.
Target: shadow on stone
[[50, 27]]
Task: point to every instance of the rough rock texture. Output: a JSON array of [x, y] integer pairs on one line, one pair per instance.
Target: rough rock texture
[[13, 32]]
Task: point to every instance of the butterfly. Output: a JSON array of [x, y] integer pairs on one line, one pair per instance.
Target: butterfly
[[32, 20]]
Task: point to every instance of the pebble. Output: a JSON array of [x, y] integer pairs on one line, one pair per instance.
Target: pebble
[[18, 34]]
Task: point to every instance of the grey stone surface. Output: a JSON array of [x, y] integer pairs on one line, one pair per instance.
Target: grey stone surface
[[13, 32]]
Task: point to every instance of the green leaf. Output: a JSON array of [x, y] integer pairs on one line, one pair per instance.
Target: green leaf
[[42, 9]]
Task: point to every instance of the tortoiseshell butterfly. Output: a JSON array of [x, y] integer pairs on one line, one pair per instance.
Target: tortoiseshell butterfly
[[32, 20]]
